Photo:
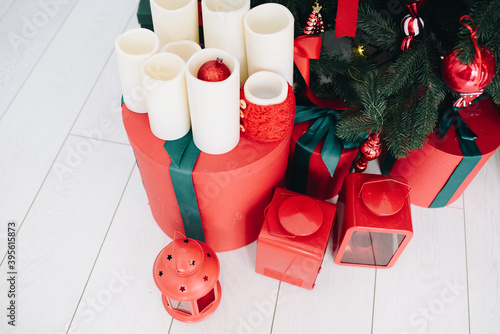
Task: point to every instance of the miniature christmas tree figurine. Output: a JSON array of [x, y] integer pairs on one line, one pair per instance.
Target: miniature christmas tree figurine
[[315, 24]]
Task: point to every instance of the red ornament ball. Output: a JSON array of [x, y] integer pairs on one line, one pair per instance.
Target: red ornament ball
[[466, 78], [214, 70]]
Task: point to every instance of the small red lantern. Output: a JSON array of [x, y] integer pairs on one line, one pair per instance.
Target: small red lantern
[[373, 224], [186, 272], [293, 239]]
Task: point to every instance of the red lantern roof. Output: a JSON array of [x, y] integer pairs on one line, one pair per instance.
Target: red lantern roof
[[186, 269]]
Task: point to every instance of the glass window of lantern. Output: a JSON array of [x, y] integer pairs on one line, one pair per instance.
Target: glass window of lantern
[[183, 306], [372, 248], [206, 300]]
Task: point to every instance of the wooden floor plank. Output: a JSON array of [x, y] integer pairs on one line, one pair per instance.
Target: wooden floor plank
[[426, 290], [102, 111], [26, 32], [341, 302], [60, 238], [482, 220], [121, 296], [43, 112]]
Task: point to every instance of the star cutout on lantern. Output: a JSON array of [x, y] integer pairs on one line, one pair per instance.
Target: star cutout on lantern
[[186, 241], [182, 288], [161, 273], [169, 257], [191, 262], [208, 254], [205, 278]]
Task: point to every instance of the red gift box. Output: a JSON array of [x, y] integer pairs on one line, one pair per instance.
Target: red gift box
[[293, 239], [232, 190], [320, 184], [373, 224], [435, 172]]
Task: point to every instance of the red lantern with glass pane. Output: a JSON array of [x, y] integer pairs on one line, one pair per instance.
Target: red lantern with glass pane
[[373, 224], [186, 272]]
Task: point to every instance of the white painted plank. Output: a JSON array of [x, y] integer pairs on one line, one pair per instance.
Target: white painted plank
[[121, 296], [482, 219], [426, 290], [101, 116], [341, 302], [61, 236], [39, 119], [248, 298], [4, 7], [26, 31]]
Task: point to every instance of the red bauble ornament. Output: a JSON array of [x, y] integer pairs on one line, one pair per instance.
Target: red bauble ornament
[[214, 70], [369, 149], [469, 79]]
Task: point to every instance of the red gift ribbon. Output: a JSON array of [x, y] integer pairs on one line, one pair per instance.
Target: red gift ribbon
[[347, 18], [306, 48]]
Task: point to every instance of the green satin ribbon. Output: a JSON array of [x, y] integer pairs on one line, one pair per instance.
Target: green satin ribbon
[[184, 153], [323, 127], [471, 154]]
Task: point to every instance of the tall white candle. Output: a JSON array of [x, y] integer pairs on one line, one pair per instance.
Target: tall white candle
[[132, 48], [223, 28], [175, 20], [164, 83], [269, 40], [184, 49], [214, 106]]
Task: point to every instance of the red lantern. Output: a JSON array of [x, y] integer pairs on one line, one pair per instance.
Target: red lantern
[[373, 223], [187, 274]]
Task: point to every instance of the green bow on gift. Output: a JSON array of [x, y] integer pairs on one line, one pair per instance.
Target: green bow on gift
[[324, 124]]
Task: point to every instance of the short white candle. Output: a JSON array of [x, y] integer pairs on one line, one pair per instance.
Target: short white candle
[[132, 48], [214, 106], [265, 88], [269, 40], [184, 49], [175, 20], [223, 28], [166, 95]]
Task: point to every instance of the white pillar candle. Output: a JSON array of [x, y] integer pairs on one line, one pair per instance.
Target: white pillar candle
[[269, 40], [265, 88], [184, 49], [164, 83], [223, 28], [132, 48], [214, 106], [175, 20]]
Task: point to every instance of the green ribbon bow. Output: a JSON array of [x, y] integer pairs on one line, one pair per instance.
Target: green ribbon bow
[[184, 153], [323, 127], [471, 152]]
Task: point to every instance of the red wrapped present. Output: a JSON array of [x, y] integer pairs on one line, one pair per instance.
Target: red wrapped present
[[218, 199], [373, 224], [319, 160], [443, 168], [293, 239]]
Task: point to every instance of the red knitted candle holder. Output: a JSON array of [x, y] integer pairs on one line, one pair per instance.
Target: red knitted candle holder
[[266, 122]]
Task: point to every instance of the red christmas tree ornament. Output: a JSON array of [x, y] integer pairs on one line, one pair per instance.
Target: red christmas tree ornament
[[214, 71], [369, 149], [315, 24], [469, 79], [186, 272], [411, 25]]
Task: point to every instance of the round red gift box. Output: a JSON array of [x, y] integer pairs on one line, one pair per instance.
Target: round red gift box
[[232, 189]]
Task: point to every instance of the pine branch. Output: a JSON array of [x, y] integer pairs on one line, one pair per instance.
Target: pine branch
[[382, 32]]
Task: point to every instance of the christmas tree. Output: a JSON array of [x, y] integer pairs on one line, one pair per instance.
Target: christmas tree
[[391, 77]]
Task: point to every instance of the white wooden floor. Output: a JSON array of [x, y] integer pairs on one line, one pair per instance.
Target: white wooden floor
[[86, 240]]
